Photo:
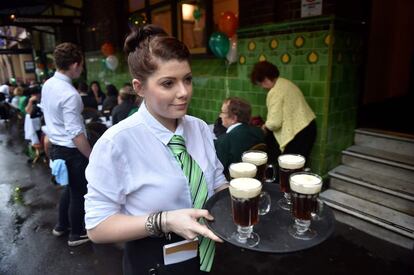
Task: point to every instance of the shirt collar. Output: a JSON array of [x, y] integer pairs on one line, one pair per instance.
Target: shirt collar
[[232, 127], [159, 130], [63, 77]]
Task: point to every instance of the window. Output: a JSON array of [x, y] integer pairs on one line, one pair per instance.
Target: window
[[192, 30], [162, 18], [191, 21]]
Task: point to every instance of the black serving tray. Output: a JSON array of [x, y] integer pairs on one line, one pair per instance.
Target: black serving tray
[[272, 227]]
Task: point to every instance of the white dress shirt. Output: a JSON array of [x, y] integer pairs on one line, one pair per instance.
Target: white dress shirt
[[231, 127], [62, 107], [132, 170]]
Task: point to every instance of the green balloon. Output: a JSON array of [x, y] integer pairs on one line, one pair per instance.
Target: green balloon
[[197, 14], [219, 44]]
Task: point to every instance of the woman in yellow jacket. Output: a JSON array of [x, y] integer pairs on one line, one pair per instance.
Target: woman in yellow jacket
[[289, 116]]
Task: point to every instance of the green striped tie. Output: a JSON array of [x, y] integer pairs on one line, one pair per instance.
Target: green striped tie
[[199, 194]]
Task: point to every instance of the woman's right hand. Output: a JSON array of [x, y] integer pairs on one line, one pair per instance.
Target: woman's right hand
[[184, 222]]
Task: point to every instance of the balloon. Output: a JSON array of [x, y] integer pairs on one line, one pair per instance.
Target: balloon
[[107, 49], [219, 44], [197, 14], [38, 71], [228, 23], [232, 54], [111, 62]]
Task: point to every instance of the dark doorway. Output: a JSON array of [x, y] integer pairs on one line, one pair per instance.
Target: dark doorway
[[387, 101]]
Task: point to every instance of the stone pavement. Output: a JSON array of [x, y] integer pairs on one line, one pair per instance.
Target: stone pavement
[[28, 211]]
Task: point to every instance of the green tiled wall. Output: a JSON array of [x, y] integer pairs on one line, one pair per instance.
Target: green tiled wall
[[96, 70], [345, 82], [330, 86], [322, 61]]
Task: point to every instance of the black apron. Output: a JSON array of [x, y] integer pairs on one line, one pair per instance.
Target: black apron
[[145, 257]]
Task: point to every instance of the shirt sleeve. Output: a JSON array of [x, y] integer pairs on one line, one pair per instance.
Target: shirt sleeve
[[107, 175], [274, 110], [73, 121]]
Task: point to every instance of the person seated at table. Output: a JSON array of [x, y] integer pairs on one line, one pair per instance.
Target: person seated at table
[[16, 94], [111, 99], [88, 100], [240, 136], [95, 91], [126, 102]]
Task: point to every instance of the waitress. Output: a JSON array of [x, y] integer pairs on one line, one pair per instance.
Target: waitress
[[137, 190]]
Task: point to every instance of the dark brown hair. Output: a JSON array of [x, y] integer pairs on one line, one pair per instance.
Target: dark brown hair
[[262, 70], [66, 54], [240, 108], [127, 94], [147, 45]]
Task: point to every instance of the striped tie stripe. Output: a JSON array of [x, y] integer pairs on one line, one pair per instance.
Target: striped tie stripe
[[199, 192]]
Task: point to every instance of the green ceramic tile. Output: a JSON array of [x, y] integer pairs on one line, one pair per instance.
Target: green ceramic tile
[[318, 89], [298, 73]]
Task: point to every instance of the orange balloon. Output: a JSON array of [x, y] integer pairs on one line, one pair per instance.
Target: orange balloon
[[107, 49], [228, 23]]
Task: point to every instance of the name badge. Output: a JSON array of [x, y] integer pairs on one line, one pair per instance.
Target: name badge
[[180, 251]]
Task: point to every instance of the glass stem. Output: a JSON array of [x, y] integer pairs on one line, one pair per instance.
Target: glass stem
[[244, 233], [302, 226]]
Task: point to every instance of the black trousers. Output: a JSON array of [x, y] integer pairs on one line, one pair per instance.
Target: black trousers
[[145, 257], [301, 144], [71, 205]]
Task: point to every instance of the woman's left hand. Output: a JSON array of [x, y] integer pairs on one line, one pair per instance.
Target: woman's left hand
[[184, 222]]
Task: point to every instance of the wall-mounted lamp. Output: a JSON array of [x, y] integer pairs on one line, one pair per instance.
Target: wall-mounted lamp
[[187, 11]]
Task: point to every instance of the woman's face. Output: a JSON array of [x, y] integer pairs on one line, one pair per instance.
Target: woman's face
[[167, 92], [267, 84], [226, 118], [95, 87]]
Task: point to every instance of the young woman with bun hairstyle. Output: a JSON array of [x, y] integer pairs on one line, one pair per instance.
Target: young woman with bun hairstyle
[[137, 190]]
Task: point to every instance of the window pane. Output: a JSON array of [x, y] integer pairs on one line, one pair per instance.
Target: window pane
[[162, 18], [136, 5], [192, 27], [152, 2]]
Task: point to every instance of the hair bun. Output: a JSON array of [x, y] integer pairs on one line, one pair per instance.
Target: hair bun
[[140, 34]]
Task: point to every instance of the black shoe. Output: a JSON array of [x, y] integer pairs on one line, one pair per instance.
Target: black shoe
[[75, 240], [60, 231]]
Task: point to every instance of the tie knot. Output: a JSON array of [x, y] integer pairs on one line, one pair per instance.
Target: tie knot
[[177, 145]]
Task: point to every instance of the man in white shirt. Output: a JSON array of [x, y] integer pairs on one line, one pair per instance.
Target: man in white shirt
[[62, 108], [5, 90], [240, 136]]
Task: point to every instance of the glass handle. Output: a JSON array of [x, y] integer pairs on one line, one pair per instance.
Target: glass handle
[[264, 203]]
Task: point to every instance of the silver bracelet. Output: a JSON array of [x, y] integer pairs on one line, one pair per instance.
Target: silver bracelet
[[152, 224]]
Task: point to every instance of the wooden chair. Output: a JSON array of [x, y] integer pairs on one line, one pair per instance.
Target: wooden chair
[[259, 147]]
